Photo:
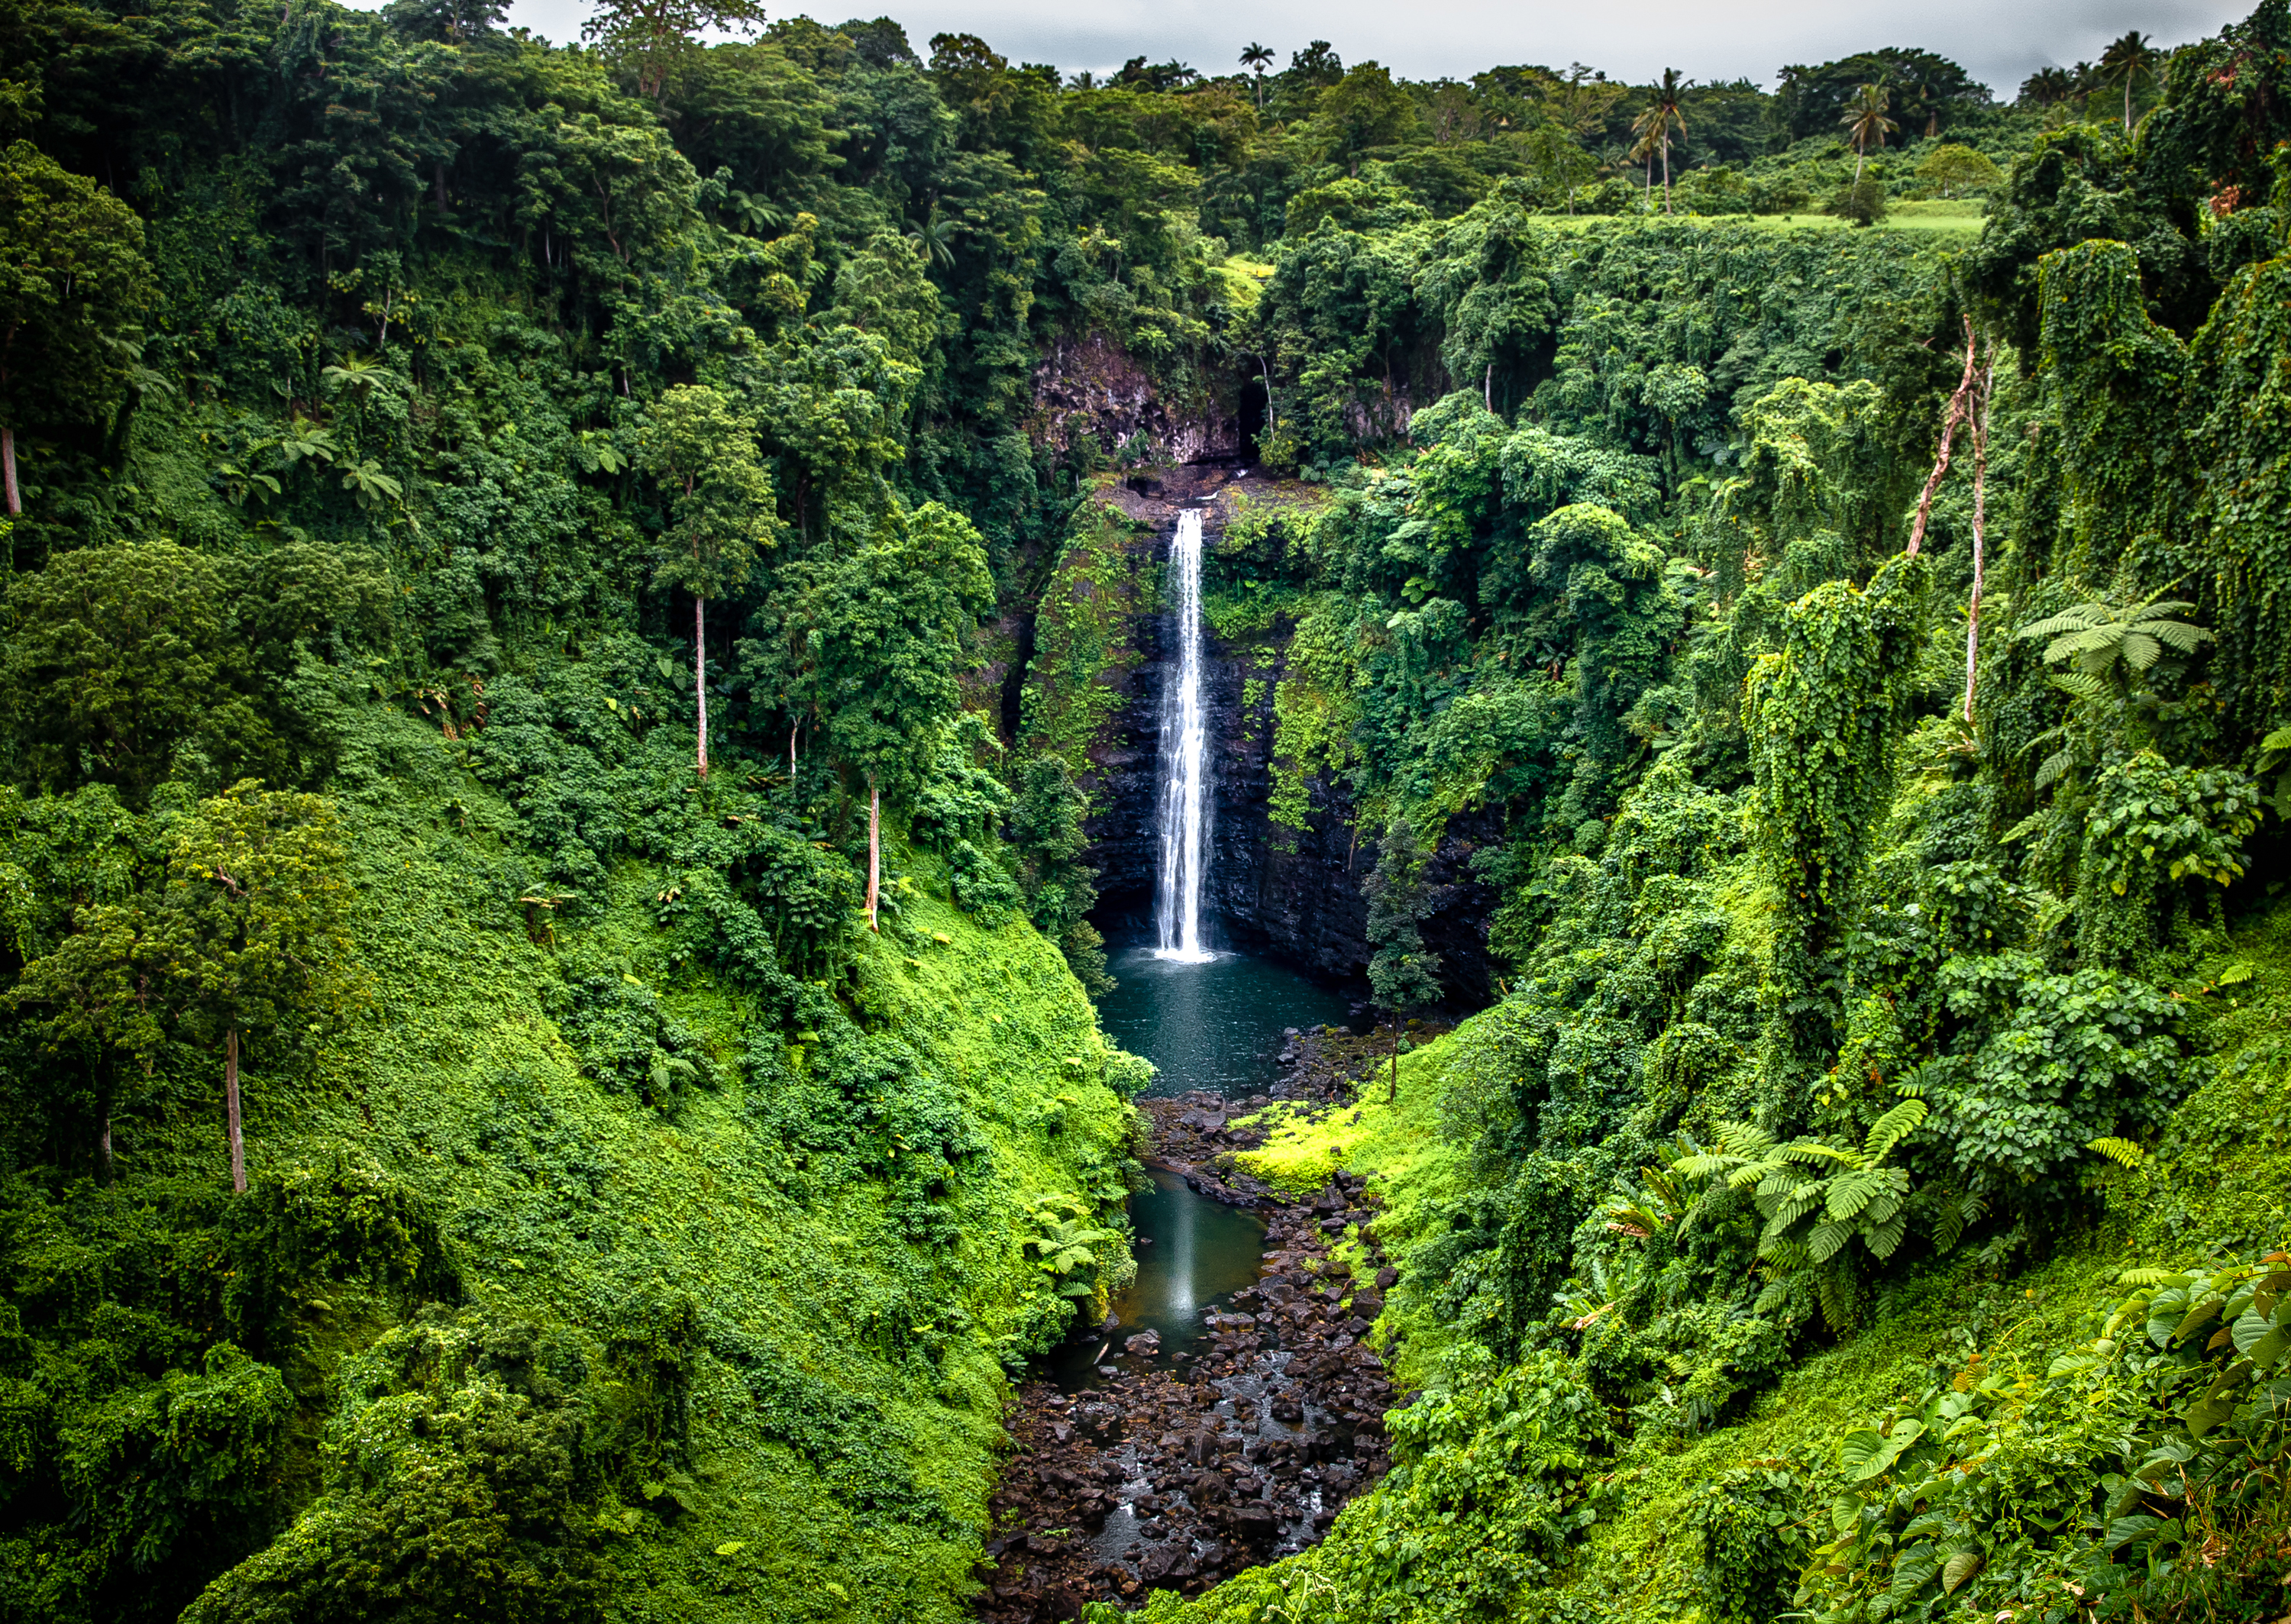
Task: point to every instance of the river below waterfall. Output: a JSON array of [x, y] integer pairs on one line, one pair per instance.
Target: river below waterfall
[[1226, 1408]]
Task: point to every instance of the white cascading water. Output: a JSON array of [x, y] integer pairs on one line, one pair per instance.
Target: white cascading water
[[1184, 763]]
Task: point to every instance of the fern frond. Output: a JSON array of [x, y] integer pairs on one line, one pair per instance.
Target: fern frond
[[1891, 1129], [1884, 1238], [2027, 826], [1954, 1215], [1787, 1213], [2178, 633], [1827, 1238], [2079, 685], [2122, 1151], [2053, 768], [2140, 651], [2081, 618], [1849, 1192], [1836, 1295]]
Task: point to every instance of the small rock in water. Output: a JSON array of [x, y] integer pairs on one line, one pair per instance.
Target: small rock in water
[[1145, 1343]]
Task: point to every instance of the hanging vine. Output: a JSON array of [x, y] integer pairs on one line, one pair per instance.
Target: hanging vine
[[1823, 716]]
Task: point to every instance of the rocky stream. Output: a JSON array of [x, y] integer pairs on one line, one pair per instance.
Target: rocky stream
[[1171, 1460]]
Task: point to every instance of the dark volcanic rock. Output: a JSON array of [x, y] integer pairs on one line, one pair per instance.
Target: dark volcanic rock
[[1290, 894], [1176, 1482]]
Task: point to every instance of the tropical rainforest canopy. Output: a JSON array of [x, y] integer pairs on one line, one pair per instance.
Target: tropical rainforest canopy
[[560, 602]]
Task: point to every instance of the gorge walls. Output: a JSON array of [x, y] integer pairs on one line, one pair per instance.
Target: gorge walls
[[1290, 895]]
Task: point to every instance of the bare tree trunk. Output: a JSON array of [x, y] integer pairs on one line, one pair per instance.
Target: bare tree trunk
[[103, 1147], [792, 727], [230, 1106], [1956, 414], [8, 469], [874, 851], [1980, 517], [1666, 173], [700, 672], [1488, 388]]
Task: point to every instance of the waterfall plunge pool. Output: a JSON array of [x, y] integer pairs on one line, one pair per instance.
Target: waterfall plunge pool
[[1213, 1024]]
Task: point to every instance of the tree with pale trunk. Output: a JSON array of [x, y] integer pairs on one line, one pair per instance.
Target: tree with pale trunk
[[73, 285], [247, 936], [871, 643], [1865, 122], [1257, 59], [1662, 114], [253, 928], [2126, 61], [702, 455]]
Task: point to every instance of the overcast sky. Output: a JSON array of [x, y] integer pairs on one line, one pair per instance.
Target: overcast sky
[[2001, 44]]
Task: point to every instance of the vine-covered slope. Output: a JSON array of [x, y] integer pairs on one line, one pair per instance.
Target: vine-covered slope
[[555, 641]]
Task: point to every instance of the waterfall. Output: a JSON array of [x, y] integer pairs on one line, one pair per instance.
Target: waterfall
[[1185, 762]]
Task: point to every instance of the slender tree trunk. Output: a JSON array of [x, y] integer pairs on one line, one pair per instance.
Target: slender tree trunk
[[1980, 517], [1666, 173], [230, 1106], [792, 727], [8, 469], [103, 1147], [1488, 388], [874, 851], [1958, 405], [700, 672], [2127, 104]]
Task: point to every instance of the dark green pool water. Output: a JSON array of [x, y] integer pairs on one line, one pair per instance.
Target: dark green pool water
[[1214, 1026]]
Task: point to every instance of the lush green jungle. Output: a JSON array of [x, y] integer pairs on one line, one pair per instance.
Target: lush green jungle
[[560, 602]]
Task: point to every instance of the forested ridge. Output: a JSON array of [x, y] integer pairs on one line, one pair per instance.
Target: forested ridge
[[565, 608]]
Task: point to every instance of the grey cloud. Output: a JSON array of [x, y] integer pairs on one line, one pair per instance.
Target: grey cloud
[[2000, 45]]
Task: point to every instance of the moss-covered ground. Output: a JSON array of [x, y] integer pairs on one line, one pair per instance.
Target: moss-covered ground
[[2217, 1186], [843, 1412]]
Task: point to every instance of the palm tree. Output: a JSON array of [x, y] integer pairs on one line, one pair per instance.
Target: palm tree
[[1644, 153], [1865, 121], [935, 237], [1257, 59], [2049, 86], [2130, 59], [1654, 124]]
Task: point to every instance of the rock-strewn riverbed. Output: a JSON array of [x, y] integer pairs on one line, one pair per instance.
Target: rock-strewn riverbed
[[1177, 1473]]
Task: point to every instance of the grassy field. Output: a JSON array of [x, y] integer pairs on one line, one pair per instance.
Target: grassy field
[[1944, 215]]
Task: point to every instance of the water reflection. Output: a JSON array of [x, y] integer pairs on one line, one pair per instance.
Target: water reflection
[[1201, 1252], [1214, 1024]]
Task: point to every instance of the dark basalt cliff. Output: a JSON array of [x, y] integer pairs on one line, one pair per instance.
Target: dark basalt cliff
[[1288, 894]]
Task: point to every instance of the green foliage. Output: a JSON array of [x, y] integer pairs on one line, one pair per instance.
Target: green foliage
[[1824, 716], [693, 1229], [73, 287], [1817, 1197], [2041, 1066], [120, 658]]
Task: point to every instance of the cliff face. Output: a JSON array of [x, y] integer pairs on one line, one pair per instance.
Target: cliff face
[[1288, 894], [1092, 388]]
